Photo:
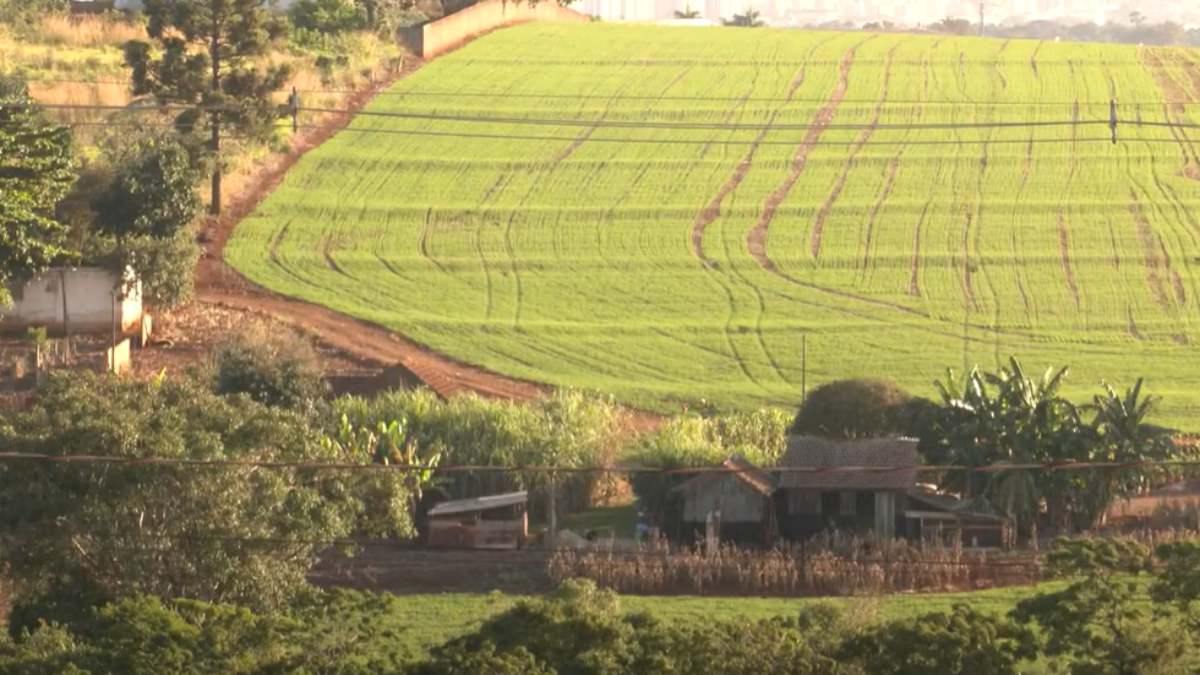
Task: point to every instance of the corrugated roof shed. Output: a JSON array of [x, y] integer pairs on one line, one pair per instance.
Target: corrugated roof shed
[[895, 459], [479, 503]]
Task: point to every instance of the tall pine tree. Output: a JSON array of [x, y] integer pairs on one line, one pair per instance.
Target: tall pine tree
[[206, 59]]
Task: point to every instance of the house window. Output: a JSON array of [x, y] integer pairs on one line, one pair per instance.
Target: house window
[[847, 504], [804, 502]]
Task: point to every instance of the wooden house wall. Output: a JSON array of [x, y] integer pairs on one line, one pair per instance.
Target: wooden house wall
[[738, 502], [867, 504]]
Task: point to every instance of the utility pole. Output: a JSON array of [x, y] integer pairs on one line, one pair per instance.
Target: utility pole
[[803, 368], [552, 514], [982, 6]]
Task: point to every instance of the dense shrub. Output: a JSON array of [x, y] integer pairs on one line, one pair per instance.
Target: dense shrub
[[165, 266], [959, 642], [326, 16], [582, 631], [338, 633], [856, 409], [273, 368], [76, 535], [152, 193]]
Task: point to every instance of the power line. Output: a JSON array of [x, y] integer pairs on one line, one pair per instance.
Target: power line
[[668, 97], [604, 123], [719, 142], [19, 457], [717, 126]]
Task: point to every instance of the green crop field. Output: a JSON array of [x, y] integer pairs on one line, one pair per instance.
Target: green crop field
[[663, 213]]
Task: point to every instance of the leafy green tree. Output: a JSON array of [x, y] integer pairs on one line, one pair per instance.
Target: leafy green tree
[[47, 650], [855, 409], [1123, 435], [138, 215], [73, 534], [1097, 622], [153, 192], [328, 16], [36, 172], [961, 641], [206, 58]]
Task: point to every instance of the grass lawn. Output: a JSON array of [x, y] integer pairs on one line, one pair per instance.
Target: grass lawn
[[620, 519], [434, 618]]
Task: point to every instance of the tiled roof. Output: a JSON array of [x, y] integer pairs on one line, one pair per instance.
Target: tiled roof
[[836, 463], [740, 468]]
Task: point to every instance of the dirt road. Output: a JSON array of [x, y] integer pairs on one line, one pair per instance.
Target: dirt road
[[219, 284]]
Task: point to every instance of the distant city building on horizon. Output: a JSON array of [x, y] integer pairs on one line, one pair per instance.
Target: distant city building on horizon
[[909, 13]]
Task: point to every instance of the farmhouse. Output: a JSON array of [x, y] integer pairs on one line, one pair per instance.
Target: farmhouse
[[855, 485], [738, 500], [496, 522], [866, 486]]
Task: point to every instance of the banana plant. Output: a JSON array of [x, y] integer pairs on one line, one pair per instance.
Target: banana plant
[[389, 443]]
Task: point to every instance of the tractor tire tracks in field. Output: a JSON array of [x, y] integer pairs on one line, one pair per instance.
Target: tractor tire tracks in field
[[219, 284], [756, 240], [1155, 258], [712, 210], [914, 276]]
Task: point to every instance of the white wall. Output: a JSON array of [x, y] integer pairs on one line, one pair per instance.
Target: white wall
[[89, 302]]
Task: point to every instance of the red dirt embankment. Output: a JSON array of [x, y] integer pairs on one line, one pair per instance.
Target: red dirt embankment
[[219, 284]]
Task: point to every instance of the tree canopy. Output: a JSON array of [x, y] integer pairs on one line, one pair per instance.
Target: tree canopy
[[856, 409], [207, 59], [1012, 417], [72, 533], [36, 172]]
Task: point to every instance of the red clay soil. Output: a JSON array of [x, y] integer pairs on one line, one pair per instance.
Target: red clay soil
[[219, 284]]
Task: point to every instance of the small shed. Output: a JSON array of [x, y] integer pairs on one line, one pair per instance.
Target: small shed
[[76, 300], [858, 485], [737, 490], [492, 522], [930, 516]]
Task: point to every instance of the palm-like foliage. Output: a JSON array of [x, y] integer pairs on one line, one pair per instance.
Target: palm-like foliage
[[1009, 417], [687, 13]]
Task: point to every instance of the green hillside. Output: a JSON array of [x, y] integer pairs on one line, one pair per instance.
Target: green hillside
[[697, 200]]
